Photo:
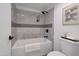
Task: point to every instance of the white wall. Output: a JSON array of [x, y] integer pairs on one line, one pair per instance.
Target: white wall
[[5, 29], [59, 28]]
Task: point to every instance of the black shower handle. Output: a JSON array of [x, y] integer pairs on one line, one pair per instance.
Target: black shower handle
[[10, 37]]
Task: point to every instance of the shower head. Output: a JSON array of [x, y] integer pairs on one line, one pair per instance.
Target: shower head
[[44, 12]]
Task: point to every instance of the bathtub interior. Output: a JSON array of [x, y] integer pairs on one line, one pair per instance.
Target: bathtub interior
[[32, 47], [21, 42]]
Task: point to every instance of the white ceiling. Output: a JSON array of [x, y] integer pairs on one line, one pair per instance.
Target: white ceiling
[[35, 6]]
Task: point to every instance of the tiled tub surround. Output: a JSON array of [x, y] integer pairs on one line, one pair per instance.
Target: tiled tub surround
[[49, 19], [13, 19], [30, 31], [28, 17], [23, 33], [20, 31], [26, 26]]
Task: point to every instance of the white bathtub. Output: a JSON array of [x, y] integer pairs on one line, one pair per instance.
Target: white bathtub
[[32, 47]]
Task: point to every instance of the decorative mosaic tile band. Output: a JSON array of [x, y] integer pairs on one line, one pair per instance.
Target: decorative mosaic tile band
[[32, 25]]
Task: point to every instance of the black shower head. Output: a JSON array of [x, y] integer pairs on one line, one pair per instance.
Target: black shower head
[[44, 12]]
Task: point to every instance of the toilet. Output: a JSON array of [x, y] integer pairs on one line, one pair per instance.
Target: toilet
[[68, 47]]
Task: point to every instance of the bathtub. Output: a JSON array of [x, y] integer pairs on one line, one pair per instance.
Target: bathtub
[[32, 47]]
